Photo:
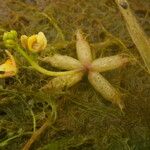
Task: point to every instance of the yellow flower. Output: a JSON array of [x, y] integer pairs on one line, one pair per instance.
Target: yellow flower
[[8, 69], [34, 43]]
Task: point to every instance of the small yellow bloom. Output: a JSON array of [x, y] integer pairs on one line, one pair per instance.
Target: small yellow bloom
[[8, 69], [34, 43]]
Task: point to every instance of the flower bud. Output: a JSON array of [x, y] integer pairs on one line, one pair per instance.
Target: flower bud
[[12, 35], [10, 38]]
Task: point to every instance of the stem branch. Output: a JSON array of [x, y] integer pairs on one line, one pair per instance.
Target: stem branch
[[39, 68]]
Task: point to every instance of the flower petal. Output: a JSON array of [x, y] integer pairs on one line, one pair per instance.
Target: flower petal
[[41, 39], [31, 41], [24, 40], [105, 88], [34, 43], [9, 67]]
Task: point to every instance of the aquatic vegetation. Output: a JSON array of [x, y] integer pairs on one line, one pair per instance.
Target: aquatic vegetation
[[84, 119], [86, 64], [83, 65], [10, 41], [137, 34]]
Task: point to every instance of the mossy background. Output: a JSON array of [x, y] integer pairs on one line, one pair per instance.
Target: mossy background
[[85, 120]]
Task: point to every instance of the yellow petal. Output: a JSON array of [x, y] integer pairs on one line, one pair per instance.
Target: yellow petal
[[34, 43], [37, 43], [9, 67], [41, 40], [31, 41], [24, 41], [11, 57], [2, 67]]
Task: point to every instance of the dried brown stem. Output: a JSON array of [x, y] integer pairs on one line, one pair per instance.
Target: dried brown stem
[[35, 136]]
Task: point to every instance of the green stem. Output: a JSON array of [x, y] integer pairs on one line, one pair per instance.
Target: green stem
[[5, 142], [39, 68]]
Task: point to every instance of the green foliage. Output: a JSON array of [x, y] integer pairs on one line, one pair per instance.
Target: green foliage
[[85, 121]]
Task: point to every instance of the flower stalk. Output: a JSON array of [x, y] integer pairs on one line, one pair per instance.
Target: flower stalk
[[10, 41], [39, 68]]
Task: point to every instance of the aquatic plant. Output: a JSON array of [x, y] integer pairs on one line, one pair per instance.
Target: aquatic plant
[[10, 41], [87, 65], [84, 64], [84, 119], [136, 32]]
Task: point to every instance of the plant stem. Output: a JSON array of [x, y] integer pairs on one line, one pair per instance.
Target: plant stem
[[39, 68], [6, 142], [36, 135]]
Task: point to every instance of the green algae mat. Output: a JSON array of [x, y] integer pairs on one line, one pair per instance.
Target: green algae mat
[[74, 75]]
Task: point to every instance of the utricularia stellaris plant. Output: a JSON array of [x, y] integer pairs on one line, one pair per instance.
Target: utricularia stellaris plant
[[76, 68]]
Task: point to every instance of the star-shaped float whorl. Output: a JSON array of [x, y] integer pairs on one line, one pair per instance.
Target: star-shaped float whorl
[[85, 64]]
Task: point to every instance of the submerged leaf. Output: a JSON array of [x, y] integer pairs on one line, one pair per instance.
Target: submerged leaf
[[137, 34], [105, 88], [63, 81]]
